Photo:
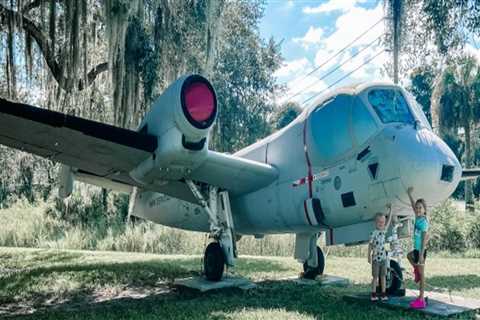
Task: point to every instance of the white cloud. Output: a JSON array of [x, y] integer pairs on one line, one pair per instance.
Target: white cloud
[[473, 51], [352, 22], [292, 67], [313, 36], [349, 26], [301, 88], [333, 5]]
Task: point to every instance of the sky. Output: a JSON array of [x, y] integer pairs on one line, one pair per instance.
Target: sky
[[311, 32]]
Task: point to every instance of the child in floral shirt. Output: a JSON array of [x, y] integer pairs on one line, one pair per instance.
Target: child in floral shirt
[[377, 254]]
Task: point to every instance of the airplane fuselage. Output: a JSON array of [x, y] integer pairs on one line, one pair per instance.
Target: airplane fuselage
[[351, 150]]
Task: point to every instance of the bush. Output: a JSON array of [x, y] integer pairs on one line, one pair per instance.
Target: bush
[[448, 228], [474, 234]]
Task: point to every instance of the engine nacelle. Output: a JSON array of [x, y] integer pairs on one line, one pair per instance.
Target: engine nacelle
[[181, 118], [189, 104]]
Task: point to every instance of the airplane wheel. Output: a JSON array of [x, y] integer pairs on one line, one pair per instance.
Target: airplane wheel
[[394, 280], [313, 272], [213, 262]]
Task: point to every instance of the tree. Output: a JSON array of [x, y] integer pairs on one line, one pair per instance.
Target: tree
[[243, 77], [143, 45], [452, 22], [396, 16], [108, 60], [285, 114], [459, 106], [421, 86]]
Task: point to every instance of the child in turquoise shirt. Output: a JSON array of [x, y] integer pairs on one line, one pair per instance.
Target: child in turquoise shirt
[[419, 254]]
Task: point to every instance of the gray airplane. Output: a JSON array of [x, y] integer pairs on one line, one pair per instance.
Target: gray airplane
[[346, 157]]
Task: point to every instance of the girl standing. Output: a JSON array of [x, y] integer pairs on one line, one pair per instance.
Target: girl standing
[[418, 255]]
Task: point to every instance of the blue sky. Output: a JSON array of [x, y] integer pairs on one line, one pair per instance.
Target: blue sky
[[312, 31]]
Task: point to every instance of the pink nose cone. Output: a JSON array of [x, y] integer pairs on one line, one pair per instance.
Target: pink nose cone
[[199, 101]]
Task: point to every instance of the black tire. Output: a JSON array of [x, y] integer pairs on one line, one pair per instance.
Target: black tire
[[213, 262], [394, 280], [313, 272]]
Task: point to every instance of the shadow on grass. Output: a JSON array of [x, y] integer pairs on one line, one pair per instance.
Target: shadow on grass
[[145, 292], [274, 300], [136, 283]]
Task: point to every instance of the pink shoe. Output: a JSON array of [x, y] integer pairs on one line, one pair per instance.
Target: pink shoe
[[418, 304]]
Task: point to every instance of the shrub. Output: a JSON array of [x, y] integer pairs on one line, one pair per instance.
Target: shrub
[[447, 228], [474, 234]]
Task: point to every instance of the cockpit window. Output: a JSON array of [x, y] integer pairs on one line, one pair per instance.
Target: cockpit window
[[363, 124], [330, 125], [390, 105]]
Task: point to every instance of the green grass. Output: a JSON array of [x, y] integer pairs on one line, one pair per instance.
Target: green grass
[[59, 284]]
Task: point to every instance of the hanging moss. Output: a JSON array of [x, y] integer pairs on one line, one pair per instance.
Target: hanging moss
[[11, 71], [52, 23], [28, 55]]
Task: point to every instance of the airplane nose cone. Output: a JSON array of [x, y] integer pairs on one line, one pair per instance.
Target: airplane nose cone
[[426, 163]]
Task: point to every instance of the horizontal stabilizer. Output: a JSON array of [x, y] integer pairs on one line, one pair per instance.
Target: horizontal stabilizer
[[470, 174]]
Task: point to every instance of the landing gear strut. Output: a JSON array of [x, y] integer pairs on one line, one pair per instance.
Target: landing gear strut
[[394, 256], [222, 251], [312, 272], [307, 252]]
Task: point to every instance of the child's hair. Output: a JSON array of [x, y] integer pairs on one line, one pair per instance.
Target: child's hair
[[379, 214], [424, 204]]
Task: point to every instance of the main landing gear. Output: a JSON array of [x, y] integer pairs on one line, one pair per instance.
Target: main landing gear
[[312, 257], [310, 272], [222, 250]]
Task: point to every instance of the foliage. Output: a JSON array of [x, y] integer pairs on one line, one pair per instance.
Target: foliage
[[109, 60], [459, 104], [285, 114], [449, 228], [421, 85], [242, 77], [452, 22], [474, 234]]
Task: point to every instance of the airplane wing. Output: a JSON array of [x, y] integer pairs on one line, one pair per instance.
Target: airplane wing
[[105, 155], [470, 174]]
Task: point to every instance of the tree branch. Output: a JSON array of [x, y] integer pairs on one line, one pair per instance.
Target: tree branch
[[45, 46], [33, 4]]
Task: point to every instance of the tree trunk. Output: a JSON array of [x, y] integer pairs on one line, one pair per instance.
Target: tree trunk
[[469, 205], [397, 5], [104, 199]]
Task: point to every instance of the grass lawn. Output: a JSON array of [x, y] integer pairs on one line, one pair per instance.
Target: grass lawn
[[50, 284]]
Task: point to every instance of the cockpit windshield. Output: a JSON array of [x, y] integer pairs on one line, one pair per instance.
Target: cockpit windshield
[[390, 105]]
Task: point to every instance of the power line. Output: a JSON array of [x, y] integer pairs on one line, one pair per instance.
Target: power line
[[345, 76], [336, 68], [344, 48]]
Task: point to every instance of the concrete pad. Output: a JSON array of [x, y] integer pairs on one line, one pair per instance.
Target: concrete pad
[[438, 304], [203, 285], [323, 280]]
